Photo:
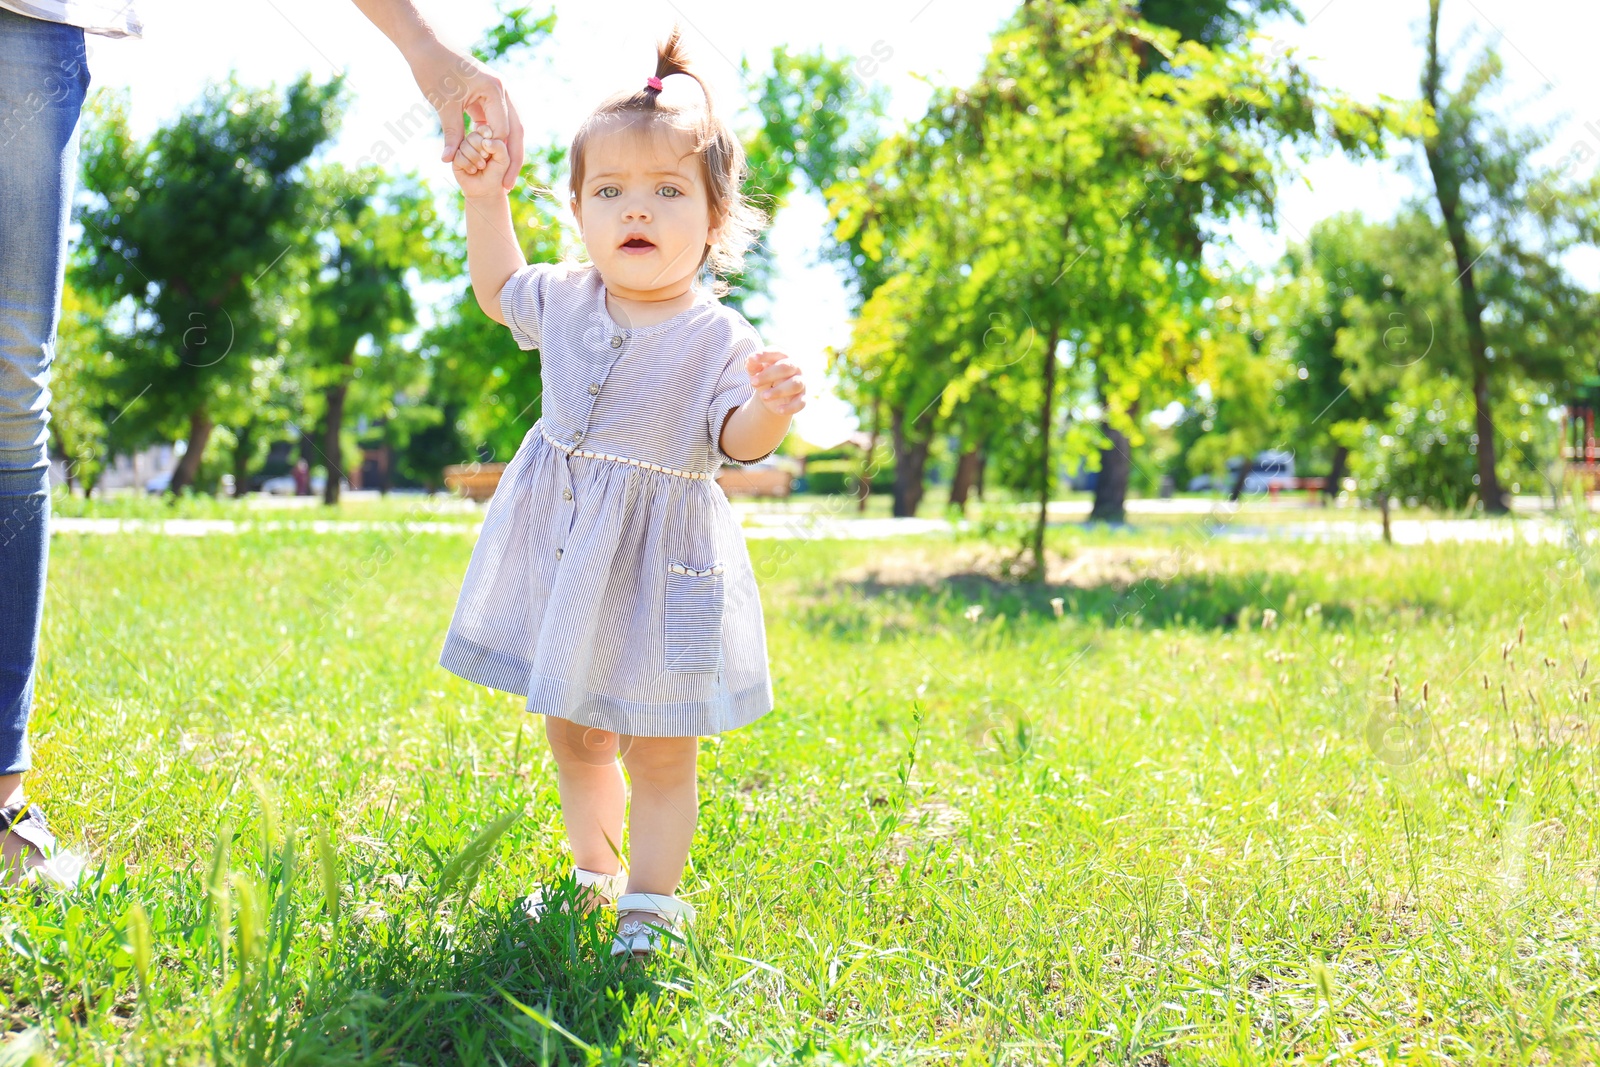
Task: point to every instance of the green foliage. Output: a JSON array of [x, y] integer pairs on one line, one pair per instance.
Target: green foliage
[[1242, 408], [371, 234], [516, 29], [1510, 223], [819, 123], [1050, 221], [181, 237], [1424, 450], [843, 476], [83, 401], [1212, 22], [1372, 313]]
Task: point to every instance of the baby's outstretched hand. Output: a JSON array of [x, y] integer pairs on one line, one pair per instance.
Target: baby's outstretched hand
[[480, 163], [777, 381]]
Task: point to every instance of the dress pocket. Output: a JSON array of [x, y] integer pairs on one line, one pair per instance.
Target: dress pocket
[[693, 620]]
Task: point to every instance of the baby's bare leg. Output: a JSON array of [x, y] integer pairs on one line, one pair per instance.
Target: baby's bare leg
[[592, 792], [664, 810]]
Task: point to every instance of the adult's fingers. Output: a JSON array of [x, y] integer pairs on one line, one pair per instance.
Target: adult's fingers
[[513, 138], [451, 122], [501, 115]]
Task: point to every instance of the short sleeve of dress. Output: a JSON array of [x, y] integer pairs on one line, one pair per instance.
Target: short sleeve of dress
[[733, 389], [522, 302]]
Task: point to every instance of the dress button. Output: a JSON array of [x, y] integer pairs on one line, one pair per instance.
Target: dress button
[[558, 553], [616, 342], [578, 436], [593, 389], [566, 494]]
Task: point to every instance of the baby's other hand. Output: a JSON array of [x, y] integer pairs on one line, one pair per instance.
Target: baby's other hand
[[480, 163], [777, 381]]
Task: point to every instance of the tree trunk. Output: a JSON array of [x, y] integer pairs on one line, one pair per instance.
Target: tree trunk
[[200, 427], [1447, 186], [241, 459], [1237, 489], [910, 459], [330, 441], [872, 449], [965, 477], [1341, 460], [1494, 497], [1045, 474], [977, 478], [1116, 464], [68, 463]]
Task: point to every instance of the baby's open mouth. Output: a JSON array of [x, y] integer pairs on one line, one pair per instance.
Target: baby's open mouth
[[637, 243]]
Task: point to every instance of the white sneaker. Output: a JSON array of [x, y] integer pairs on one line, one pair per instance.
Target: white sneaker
[[605, 887], [59, 869], [666, 930]]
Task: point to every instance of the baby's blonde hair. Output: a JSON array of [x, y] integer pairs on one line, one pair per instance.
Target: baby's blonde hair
[[719, 150]]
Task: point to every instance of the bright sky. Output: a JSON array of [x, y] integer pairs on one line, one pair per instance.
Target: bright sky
[[1365, 47]]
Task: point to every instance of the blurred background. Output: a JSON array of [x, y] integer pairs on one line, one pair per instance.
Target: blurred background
[[1221, 220]]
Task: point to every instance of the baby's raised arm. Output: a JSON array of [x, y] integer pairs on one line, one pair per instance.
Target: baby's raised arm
[[493, 254]]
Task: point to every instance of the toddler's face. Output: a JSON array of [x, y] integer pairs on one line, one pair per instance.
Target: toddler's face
[[643, 209]]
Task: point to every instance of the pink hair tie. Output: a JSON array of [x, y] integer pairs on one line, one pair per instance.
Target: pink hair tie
[[653, 82]]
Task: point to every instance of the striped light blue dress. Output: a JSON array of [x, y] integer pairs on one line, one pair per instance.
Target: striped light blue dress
[[611, 584]]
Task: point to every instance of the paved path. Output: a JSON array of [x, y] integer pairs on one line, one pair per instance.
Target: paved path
[[212, 527], [761, 522]]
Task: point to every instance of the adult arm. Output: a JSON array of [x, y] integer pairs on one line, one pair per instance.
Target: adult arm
[[451, 82]]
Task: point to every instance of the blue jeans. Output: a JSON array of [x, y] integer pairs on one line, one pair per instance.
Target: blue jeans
[[43, 78]]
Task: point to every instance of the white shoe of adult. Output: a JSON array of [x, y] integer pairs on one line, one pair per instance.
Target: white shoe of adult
[[38, 859], [601, 889], [649, 923]]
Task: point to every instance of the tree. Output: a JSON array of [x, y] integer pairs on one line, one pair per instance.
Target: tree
[[181, 236], [83, 414], [1344, 319], [820, 123], [371, 237], [1408, 412], [1509, 225], [1238, 405], [1070, 159]]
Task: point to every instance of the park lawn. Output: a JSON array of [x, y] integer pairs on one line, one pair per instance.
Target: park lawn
[[260, 510], [1160, 827]]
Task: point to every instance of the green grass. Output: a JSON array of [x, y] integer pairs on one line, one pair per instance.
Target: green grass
[[258, 508], [1156, 829]]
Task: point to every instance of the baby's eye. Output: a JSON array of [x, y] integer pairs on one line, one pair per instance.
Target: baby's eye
[[607, 192], [670, 192]]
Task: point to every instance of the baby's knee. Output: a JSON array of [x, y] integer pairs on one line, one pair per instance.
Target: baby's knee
[[577, 745], [660, 758]]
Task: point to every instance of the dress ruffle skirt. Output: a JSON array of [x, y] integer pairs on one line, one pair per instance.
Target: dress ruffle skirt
[[614, 595]]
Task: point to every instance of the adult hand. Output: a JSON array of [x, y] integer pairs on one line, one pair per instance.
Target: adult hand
[[453, 83]]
